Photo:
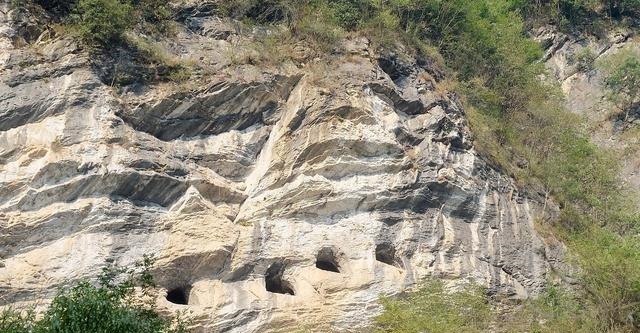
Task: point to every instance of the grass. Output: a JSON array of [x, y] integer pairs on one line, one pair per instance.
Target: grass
[[434, 308], [166, 66]]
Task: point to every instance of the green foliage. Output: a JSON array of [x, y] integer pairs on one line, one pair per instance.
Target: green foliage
[[607, 298], [102, 22], [433, 308], [153, 16], [59, 7], [111, 306], [153, 11], [623, 80], [263, 11], [350, 14]]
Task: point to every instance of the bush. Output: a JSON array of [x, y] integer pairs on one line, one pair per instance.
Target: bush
[[153, 11], [350, 14], [153, 16], [102, 22], [111, 306], [611, 277]]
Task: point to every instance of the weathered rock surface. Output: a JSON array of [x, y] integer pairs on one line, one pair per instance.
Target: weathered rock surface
[[252, 186]]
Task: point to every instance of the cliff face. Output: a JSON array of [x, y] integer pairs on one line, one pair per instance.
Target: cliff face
[[272, 196]]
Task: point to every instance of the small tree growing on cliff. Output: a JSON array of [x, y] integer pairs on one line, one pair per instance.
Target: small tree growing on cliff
[[623, 82], [102, 21]]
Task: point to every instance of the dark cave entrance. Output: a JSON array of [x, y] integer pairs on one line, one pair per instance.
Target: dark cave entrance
[[326, 260], [274, 282], [178, 296], [386, 253]]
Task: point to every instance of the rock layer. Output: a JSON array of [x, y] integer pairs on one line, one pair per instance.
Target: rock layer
[[271, 197]]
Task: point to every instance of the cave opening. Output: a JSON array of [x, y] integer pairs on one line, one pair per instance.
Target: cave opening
[[326, 260], [274, 281], [178, 296], [386, 253]]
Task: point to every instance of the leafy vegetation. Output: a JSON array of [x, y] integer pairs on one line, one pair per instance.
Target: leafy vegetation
[[113, 305], [115, 29], [102, 21]]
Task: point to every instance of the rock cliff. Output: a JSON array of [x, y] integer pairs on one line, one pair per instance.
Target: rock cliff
[[272, 196]]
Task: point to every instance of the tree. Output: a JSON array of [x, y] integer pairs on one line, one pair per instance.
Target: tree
[[102, 21], [623, 82]]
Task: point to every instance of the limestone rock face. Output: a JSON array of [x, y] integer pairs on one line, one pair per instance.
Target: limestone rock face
[[272, 197]]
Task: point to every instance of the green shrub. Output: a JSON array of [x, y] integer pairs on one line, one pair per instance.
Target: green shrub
[[611, 277], [153, 16], [111, 306], [588, 15], [350, 14], [102, 22], [153, 11], [263, 11]]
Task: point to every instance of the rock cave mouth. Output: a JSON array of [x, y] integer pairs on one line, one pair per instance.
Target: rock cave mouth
[[326, 260], [274, 283], [179, 295], [386, 253]]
